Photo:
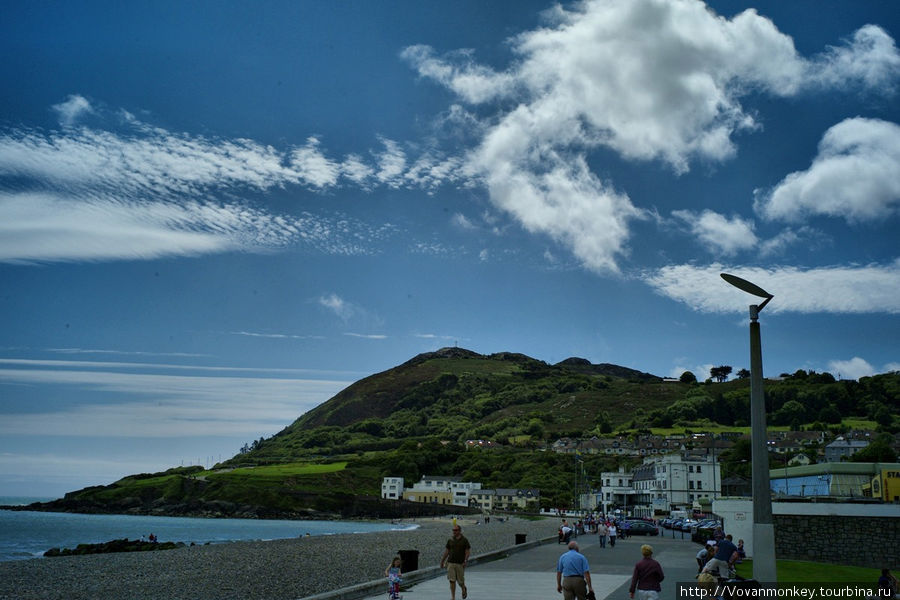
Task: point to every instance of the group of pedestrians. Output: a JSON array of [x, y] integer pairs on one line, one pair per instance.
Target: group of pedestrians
[[573, 576], [719, 555]]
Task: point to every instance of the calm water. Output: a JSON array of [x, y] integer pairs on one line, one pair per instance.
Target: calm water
[[28, 534]]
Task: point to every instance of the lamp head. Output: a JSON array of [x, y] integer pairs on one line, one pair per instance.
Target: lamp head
[[750, 288]]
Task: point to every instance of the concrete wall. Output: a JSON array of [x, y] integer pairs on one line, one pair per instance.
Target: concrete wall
[[866, 535]]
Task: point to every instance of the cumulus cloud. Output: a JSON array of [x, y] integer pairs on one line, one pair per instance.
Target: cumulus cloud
[[855, 176], [719, 233], [649, 79], [869, 59], [854, 368], [74, 107], [863, 289]]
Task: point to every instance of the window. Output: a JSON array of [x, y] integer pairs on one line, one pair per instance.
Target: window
[[691, 485], [699, 485], [699, 468], [690, 468]]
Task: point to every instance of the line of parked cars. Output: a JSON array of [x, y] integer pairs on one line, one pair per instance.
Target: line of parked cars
[[690, 525]]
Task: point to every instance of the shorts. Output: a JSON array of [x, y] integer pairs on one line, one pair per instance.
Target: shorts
[[647, 595], [456, 572]]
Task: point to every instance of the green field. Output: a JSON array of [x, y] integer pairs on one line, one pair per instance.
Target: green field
[[799, 571]]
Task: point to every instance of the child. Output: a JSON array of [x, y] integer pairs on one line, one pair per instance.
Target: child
[[394, 577]]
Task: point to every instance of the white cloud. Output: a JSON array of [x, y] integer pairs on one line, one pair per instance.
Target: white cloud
[[719, 233], [367, 336], [313, 167], [74, 107], [343, 309], [865, 289], [165, 405], [787, 238], [49, 226], [854, 368], [475, 83], [856, 176], [701, 372], [869, 59], [461, 221], [391, 164], [652, 80]]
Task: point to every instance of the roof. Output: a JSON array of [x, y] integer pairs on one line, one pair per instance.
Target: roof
[[833, 468], [848, 444]]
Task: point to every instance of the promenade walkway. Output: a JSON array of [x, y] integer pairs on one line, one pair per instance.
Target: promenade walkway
[[531, 574]]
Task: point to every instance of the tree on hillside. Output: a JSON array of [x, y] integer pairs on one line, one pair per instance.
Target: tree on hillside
[[878, 451], [720, 373], [743, 374], [688, 377]]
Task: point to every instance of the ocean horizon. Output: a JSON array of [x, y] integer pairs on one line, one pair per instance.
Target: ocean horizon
[[28, 534]]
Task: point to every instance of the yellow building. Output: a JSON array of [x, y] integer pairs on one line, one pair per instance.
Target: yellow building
[[886, 485]]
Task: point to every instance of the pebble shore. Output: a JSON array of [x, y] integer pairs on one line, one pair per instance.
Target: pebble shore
[[271, 570]]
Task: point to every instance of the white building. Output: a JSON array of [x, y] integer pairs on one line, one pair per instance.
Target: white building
[[661, 484], [392, 488], [615, 491]]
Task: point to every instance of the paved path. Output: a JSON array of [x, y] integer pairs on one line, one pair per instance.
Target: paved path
[[531, 574]]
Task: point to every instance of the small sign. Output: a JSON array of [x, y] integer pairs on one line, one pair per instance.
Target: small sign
[[740, 516]]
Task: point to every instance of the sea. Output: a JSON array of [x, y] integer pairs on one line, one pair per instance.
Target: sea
[[28, 534]]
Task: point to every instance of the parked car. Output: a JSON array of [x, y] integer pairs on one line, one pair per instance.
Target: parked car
[[642, 528], [687, 524], [676, 524]]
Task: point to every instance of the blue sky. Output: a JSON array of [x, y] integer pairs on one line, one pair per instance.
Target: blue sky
[[216, 215]]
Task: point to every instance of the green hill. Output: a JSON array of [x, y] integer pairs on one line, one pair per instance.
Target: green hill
[[414, 419]]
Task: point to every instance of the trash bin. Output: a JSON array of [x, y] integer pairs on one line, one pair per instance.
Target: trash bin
[[520, 538], [409, 560]]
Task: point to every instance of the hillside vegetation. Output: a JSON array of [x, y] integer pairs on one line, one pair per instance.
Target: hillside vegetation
[[414, 419]]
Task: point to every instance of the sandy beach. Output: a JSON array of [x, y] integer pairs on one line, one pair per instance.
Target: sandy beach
[[271, 570]]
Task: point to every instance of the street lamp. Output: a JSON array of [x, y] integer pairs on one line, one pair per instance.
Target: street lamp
[[763, 526]]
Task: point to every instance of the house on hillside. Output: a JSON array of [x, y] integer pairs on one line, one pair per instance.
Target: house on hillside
[[842, 449], [392, 488]]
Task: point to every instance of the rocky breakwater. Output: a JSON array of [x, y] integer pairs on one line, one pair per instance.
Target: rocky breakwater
[[123, 545]]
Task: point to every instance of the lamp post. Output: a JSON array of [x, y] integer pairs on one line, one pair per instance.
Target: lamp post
[[763, 526]]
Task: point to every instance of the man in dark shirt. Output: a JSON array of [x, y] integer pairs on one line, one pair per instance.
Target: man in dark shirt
[[647, 576], [719, 562], [456, 557]]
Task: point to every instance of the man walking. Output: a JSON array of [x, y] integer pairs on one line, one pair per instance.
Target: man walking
[[601, 533], [647, 576], [573, 574], [456, 557]]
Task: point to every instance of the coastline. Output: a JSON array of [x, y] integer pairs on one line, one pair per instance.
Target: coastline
[[271, 570]]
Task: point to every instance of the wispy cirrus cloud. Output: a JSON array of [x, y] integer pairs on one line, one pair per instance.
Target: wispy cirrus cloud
[[851, 289], [367, 336], [160, 405], [86, 194]]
